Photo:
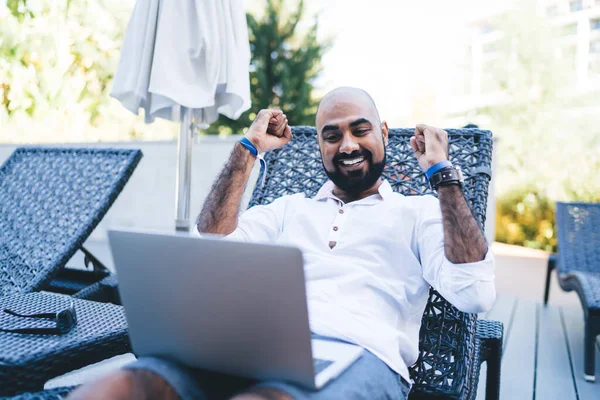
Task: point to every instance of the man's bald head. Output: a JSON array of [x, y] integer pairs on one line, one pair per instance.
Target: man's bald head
[[343, 95]]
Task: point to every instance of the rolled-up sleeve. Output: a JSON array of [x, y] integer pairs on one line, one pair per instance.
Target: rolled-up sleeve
[[469, 286], [259, 224]]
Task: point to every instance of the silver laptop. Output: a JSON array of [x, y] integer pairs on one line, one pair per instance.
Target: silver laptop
[[226, 306]]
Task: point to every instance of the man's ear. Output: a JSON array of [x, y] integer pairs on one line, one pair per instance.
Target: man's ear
[[384, 132]]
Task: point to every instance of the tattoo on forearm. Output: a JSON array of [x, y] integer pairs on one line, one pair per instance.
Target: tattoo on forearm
[[220, 211], [464, 241]]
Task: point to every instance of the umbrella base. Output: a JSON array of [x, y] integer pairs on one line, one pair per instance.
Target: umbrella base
[[182, 225]]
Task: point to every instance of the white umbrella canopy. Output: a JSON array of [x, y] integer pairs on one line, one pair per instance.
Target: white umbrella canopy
[[187, 61]]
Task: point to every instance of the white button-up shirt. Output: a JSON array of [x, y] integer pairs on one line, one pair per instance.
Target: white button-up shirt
[[369, 264]]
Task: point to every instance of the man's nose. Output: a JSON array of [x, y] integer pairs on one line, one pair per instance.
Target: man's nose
[[349, 144]]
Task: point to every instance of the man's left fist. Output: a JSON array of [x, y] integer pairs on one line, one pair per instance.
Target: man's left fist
[[430, 145]]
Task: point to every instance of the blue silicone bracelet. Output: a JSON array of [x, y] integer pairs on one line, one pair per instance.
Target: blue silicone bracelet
[[436, 167], [254, 151], [248, 144]]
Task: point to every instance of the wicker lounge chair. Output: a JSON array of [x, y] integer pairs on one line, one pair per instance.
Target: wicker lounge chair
[[577, 266], [51, 199]]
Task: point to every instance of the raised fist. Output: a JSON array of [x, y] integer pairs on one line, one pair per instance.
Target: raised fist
[[270, 130], [430, 145]]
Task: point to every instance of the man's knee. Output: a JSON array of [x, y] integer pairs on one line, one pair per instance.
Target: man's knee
[[126, 384], [263, 393]]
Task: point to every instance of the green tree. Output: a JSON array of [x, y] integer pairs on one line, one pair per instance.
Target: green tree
[[57, 60], [285, 63]]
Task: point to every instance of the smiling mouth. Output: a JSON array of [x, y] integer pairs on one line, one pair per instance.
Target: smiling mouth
[[352, 162]]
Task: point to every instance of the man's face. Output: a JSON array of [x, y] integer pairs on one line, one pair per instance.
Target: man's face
[[352, 143]]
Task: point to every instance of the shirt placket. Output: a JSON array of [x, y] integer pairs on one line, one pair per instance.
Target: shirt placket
[[337, 225]]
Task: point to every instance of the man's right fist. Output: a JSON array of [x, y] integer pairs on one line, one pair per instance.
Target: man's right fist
[[270, 130]]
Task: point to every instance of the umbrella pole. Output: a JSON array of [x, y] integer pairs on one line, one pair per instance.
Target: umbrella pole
[[184, 171]]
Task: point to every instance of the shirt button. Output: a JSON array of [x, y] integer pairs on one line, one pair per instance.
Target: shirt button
[[332, 244], [341, 211], [335, 228]]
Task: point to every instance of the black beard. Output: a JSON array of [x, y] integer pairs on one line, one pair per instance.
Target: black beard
[[356, 182]]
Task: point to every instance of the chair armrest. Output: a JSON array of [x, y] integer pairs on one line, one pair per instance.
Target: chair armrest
[[490, 336], [490, 331]]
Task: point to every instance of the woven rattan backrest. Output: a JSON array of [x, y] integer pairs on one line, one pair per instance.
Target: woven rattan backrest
[[51, 199], [578, 226], [447, 336]]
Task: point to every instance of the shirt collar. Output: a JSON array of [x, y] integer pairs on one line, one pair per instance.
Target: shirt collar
[[326, 191]]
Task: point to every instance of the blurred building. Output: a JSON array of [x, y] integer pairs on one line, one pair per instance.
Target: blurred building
[[579, 21], [576, 39]]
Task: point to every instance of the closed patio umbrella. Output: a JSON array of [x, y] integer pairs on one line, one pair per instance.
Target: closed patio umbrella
[[186, 61]]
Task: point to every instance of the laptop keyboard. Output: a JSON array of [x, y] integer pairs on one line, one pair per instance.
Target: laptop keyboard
[[320, 365]]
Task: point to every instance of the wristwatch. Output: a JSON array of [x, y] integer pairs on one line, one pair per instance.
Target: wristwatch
[[447, 176]]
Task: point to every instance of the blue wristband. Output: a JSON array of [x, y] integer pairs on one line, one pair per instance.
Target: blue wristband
[[254, 151], [436, 167], [248, 144]]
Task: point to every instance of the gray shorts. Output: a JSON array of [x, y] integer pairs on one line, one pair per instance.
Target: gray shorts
[[368, 378]]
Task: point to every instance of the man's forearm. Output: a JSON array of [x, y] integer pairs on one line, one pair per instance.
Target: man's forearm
[[220, 211], [463, 240]]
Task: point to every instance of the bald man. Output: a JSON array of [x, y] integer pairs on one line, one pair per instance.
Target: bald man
[[370, 256]]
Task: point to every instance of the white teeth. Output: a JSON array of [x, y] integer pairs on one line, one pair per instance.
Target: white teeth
[[354, 161]]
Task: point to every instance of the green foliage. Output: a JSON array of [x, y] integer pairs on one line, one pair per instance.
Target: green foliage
[[53, 54], [525, 217], [285, 63], [57, 60], [18, 8]]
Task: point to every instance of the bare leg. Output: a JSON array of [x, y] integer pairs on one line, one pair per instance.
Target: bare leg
[[126, 384], [263, 393]]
